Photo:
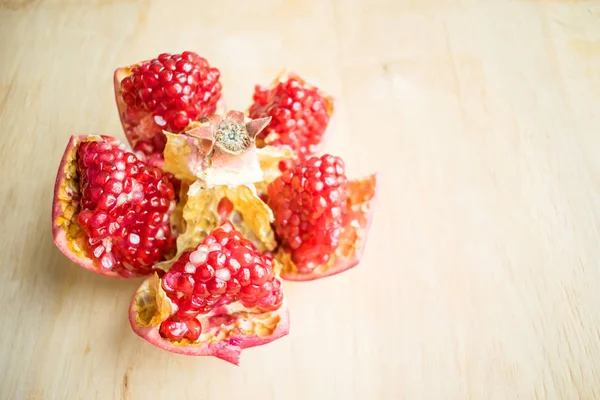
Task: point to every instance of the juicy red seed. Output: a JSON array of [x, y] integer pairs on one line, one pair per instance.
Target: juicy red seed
[[244, 277], [233, 287], [308, 207], [250, 291], [180, 121], [216, 286], [173, 330], [224, 208], [258, 274], [242, 255], [186, 312], [205, 272], [194, 329]]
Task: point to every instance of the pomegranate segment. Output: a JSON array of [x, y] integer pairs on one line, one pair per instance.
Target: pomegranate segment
[[216, 151], [308, 202], [111, 211], [300, 114], [358, 214], [204, 211], [217, 298], [224, 268], [164, 94]]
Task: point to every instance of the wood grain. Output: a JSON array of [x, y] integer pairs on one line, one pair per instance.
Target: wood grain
[[482, 275]]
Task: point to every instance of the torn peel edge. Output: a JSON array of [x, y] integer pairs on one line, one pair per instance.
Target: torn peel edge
[[230, 347], [362, 197]]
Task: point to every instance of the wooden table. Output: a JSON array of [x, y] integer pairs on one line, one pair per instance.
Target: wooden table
[[482, 274]]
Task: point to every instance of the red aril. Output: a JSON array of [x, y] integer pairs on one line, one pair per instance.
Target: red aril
[[164, 94], [111, 211], [308, 202]]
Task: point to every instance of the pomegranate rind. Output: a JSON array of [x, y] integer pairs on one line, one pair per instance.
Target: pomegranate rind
[[362, 196], [68, 236], [250, 215], [226, 330]]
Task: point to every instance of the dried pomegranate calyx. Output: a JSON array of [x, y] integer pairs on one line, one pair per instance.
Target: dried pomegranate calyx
[[232, 137], [216, 151]]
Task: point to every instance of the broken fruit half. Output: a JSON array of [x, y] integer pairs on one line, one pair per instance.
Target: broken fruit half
[[216, 299], [111, 211], [164, 94], [300, 114], [321, 218]]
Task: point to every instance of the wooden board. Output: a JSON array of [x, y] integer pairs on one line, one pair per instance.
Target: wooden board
[[481, 279]]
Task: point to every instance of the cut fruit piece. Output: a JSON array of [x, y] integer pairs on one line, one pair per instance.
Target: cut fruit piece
[[216, 151], [111, 212], [300, 114], [164, 94], [217, 299], [317, 239], [308, 202]]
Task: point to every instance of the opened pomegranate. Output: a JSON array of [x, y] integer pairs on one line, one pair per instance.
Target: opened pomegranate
[[216, 299], [320, 219], [164, 94], [300, 114], [214, 209], [111, 211]]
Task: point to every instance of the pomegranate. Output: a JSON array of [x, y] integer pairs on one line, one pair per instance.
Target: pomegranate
[[300, 114], [164, 94], [213, 209], [216, 299], [321, 219], [111, 211]]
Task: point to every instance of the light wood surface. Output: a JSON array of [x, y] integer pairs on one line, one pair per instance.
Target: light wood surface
[[481, 279]]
